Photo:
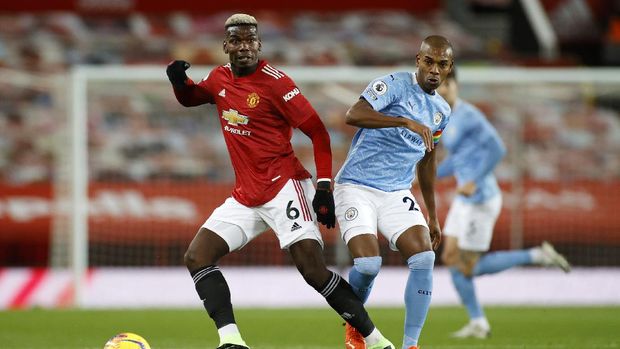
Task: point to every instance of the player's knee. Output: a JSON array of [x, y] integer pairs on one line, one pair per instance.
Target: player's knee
[[449, 258], [467, 268], [422, 260], [368, 265], [467, 262], [314, 275], [190, 260], [194, 258]]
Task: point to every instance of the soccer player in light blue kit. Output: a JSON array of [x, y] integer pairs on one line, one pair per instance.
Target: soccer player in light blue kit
[[400, 117], [474, 149]]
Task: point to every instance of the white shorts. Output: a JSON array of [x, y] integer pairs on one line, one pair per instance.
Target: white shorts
[[472, 224], [289, 214], [364, 210]]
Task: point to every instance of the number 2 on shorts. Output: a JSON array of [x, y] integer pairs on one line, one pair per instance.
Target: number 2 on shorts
[[411, 206]]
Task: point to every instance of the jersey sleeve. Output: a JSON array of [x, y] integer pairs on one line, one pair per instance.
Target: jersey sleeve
[[446, 167], [192, 94], [382, 92], [206, 87], [290, 102], [444, 122], [313, 127], [491, 146]]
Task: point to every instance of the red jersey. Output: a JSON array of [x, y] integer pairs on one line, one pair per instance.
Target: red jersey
[[257, 113]]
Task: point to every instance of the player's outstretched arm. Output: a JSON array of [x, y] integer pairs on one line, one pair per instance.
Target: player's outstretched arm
[[362, 115], [426, 170], [187, 92], [323, 202]]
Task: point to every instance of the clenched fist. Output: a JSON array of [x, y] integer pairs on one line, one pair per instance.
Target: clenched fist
[[176, 72]]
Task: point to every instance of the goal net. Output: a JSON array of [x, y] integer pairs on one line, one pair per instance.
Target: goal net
[[144, 172]]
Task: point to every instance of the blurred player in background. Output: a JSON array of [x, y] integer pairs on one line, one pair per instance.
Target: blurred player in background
[[474, 150], [258, 106], [401, 118]]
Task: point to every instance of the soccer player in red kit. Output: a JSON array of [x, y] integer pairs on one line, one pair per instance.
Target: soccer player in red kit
[[258, 106]]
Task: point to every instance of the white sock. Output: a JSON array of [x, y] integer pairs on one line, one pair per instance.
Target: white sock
[[482, 322], [537, 255], [228, 330], [374, 337], [230, 334]]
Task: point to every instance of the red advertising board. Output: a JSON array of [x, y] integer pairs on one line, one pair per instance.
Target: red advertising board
[[579, 213]]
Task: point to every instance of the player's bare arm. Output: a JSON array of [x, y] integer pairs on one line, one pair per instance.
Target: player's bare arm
[[362, 115], [426, 176]]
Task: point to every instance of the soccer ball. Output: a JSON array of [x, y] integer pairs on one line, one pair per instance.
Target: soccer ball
[[127, 341]]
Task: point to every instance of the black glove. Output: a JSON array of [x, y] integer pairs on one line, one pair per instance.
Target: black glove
[[323, 204], [176, 72]]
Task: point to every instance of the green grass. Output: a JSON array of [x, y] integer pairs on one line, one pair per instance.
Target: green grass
[[513, 328]]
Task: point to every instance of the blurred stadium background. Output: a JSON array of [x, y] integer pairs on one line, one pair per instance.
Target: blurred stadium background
[[105, 178]]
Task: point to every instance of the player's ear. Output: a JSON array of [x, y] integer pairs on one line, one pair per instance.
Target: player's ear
[[417, 59], [260, 45], [225, 47]]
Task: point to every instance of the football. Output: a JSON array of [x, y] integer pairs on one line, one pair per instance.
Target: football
[[127, 341]]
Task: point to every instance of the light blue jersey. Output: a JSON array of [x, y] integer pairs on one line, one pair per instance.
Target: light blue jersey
[[474, 150], [386, 158]]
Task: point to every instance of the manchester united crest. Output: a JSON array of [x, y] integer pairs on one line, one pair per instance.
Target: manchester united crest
[[253, 99]]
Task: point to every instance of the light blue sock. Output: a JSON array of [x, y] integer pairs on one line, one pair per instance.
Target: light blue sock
[[467, 292], [362, 275], [418, 295], [499, 261]]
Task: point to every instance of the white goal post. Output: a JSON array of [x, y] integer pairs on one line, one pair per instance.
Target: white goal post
[[331, 77]]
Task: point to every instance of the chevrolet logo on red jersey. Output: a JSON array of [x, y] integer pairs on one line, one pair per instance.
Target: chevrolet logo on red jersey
[[234, 118]]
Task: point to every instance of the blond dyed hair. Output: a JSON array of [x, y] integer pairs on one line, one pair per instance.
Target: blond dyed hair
[[240, 19]]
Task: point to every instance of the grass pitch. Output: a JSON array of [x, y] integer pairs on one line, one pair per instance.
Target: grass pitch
[[513, 328]]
